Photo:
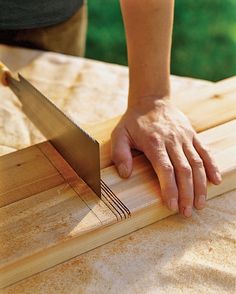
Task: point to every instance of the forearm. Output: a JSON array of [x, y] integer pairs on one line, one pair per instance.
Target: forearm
[[148, 26]]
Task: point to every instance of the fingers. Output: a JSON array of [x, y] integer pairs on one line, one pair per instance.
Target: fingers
[[163, 167], [182, 168], [184, 178], [121, 153], [210, 165], [199, 175]]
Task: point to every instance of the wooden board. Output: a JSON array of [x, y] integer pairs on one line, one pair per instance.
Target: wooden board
[[65, 218]]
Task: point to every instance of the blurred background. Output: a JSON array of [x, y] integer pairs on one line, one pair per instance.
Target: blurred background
[[204, 39]]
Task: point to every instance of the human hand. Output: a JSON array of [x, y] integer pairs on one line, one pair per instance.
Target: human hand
[[180, 160]]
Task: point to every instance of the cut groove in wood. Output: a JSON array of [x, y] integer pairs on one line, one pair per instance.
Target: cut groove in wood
[[107, 193], [99, 208]]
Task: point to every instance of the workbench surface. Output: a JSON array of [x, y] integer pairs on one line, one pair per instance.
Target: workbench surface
[[174, 255]]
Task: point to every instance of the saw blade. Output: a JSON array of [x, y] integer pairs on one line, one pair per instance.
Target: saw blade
[[77, 147]]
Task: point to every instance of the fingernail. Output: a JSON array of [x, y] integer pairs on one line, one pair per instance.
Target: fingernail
[[202, 200], [173, 204], [188, 211], [218, 177], [123, 170]]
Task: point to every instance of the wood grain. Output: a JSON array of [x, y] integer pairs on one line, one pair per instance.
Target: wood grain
[[52, 226], [25, 173]]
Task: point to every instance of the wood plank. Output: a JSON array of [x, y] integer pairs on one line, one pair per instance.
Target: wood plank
[[24, 173], [55, 225]]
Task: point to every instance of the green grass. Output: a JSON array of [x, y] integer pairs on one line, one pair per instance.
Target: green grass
[[106, 37], [204, 39]]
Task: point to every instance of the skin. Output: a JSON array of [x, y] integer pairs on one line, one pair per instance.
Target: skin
[[151, 123]]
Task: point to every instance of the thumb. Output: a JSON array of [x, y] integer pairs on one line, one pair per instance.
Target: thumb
[[121, 153]]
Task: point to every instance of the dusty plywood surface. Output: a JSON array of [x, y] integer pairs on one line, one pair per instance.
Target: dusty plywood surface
[[172, 256]]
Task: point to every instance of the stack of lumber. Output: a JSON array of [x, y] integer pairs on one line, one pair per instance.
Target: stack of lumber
[[49, 215]]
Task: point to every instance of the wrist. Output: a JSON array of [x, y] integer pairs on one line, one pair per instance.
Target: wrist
[[148, 90], [151, 100], [148, 103]]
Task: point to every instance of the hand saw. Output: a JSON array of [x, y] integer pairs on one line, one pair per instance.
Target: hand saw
[[78, 148]]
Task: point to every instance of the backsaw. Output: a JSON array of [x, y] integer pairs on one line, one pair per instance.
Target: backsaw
[[78, 148]]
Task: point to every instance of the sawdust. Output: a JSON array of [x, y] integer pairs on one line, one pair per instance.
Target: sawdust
[[172, 256]]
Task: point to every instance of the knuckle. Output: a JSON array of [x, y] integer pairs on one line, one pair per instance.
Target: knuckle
[[172, 139], [196, 162], [185, 170], [154, 140], [167, 168], [189, 133], [172, 136]]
